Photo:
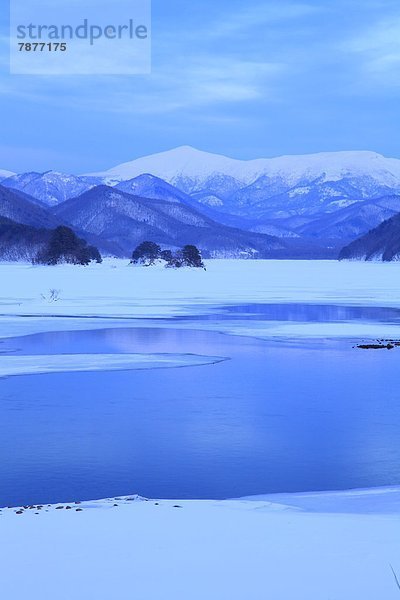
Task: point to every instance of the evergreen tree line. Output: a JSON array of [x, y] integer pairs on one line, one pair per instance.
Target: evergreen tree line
[[148, 253], [65, 246]]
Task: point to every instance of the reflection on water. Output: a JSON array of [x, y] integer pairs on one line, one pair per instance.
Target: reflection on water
[[316, 313], [111, 341], [275, 418]]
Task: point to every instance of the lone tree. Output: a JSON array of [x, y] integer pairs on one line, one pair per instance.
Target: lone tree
[[146, 254], [65, 247], [192, 257]]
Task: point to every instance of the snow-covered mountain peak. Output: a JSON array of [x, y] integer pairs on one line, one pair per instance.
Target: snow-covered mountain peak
[[182, 161], [186, 163], [147, 178], [4, 174], [50, 187], [332, 166]]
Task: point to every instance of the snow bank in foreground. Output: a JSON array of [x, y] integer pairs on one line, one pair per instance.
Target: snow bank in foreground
[[197, 550], [39, 364]]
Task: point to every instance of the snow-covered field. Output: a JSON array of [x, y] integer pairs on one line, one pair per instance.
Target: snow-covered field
[[205, 550], [302, 546], [115, 290]]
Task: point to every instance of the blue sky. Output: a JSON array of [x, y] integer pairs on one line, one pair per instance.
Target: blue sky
[[246, 79]]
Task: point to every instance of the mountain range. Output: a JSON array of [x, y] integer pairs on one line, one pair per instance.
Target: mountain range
[[128, 220], [22, 209], [265, 188], [20, 242], [50, 188], [381, 243], [310, 205]]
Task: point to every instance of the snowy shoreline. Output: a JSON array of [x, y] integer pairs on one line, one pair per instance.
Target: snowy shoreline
[[197, 549], [373, 500]]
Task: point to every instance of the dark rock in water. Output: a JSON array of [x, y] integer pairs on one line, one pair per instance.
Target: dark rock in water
[[376, 346]]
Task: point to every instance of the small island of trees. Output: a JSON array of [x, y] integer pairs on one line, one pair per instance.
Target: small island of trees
[[149, 253], [65, 246]]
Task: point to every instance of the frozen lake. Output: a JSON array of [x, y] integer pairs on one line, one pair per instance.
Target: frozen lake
[[277, 416]]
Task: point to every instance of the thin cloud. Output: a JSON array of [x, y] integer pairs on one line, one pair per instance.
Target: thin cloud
[[193, 82], [259, 16], [183, 76], [377, 50]]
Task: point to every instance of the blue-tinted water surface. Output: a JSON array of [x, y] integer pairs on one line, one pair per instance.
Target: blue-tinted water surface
[[276, 417]]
